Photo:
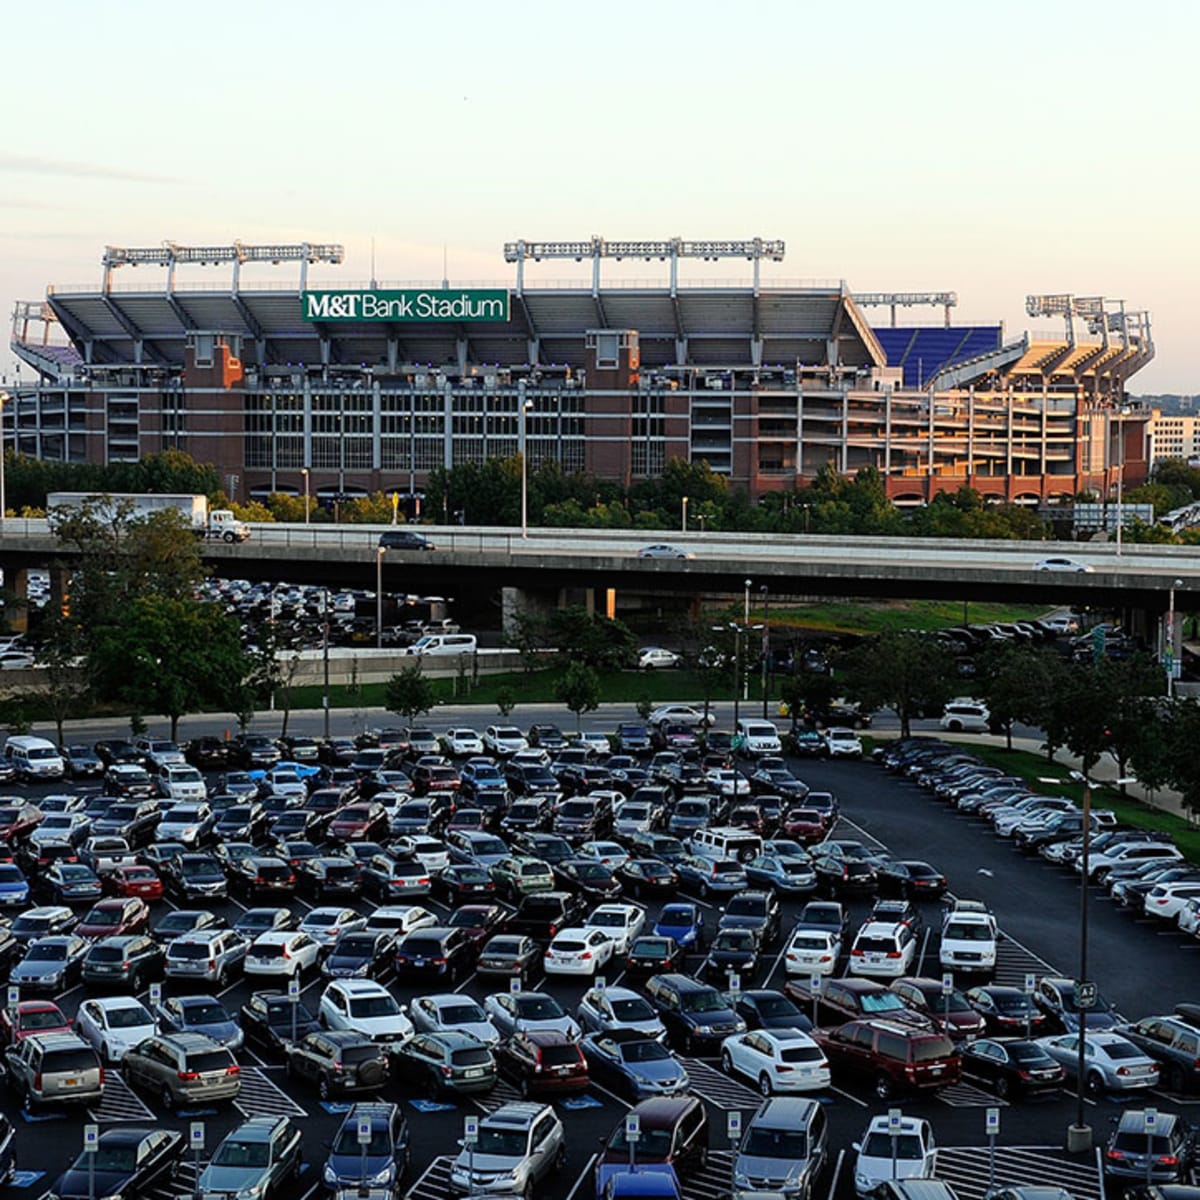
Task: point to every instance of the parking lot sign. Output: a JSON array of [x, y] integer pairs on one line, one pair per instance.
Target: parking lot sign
[[156, 993], [947, 983], [733, 1126], [1150, 1119], [895, 1119], [14, 996], [364, 1131], [514, 984], [470, 1130], [991, 1122], [196, 1135], [633, 1128], [1030, 983], [293, 988], [1085, 994], [91, 1138]]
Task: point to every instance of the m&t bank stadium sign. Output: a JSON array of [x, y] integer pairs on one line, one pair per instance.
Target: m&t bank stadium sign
[[410, 304]]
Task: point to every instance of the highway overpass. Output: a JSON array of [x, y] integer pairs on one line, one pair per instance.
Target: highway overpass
[[473, 560]]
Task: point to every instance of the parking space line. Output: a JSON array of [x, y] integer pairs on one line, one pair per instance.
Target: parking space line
[[837, 1171], [584, 1175], [599, 1087], [848, 1096]]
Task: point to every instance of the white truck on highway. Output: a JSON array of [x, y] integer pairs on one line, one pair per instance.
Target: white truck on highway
[[214, 525]]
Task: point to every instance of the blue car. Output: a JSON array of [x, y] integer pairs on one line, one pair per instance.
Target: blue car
[[14, 887], [633, 1064], [707, 877], [199, 1014], [684, 923], [783, 874], [373, 1170]]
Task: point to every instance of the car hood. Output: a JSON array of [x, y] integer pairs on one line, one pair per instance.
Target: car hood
[[224, 1032], [229, 1179], [75, 1183], [34, 972], [775, 1169], [350, 1167], [394, 1025], [564, 1024], [659, 1070]]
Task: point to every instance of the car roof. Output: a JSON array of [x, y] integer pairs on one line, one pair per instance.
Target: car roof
[[785, 1111], [515, 1115], [661, 1112]]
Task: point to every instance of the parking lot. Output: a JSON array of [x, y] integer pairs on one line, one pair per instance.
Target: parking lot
[[1140, 969]]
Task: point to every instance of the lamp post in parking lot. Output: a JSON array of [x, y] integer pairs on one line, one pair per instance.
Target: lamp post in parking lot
[[380, 551]]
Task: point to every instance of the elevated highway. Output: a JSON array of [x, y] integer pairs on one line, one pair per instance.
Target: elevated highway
[[485, 560]]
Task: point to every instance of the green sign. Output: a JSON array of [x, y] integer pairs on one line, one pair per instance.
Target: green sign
[[409, 304]]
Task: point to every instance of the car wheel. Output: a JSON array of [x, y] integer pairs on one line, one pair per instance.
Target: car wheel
[[324, 1087], [1094, 1085], [1176, 1082], [560, 1156], [28, 1102], [223, 977], [1002, 1087], [705, 891], [764, 1084], [432, 1088], [726, 1062], [883, 1087], [167, 1097], [105, 1054], [523, 1087]]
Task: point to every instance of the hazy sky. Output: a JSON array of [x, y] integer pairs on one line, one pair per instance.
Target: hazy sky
[[993, 149]]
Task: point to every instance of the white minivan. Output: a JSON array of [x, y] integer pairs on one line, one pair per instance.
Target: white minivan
[[34, 758], [444, 644]]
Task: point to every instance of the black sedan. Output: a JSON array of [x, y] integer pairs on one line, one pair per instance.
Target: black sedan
[[1011, 1068], [910, 879], [272, 1021], [127, 1161], [591, 880], [461, 882], [360, 954], [651, 955], [732, 951], [1007, 1011], [764, 1008], [641, 875]]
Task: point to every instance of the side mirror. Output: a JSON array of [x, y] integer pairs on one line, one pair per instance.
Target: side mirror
[[856, 1147]]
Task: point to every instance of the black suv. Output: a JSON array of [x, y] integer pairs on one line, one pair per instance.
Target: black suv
[[435, 951], [696, 1016], [1163, 1152], [543, 914], [755, 911]]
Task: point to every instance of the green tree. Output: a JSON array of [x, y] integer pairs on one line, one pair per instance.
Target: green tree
[[594, 640], [506, 701], [1181, 762], [805, 691], [1013, 679], [170, 656], [409, 694], [528, 633], [579, 689], [904, 671], [65, 689]]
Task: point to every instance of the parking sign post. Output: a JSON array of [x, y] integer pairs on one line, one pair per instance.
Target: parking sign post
[[196, 1141], [364, 1140], [155, 995], [991, 1125], [91, 1137], [14, 997], [1030, 985], [633, 1134], [733, 1130], [1150, 1124], [470, 1137], [947, 992], [814, 990], [895, 1122], [294, 1000]]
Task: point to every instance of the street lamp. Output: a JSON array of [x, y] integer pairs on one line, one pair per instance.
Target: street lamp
[[4, 396], [380, 551], [522, 411], [746, 621], [1124, 412], [683, 526], [305, 472], [766, 643], [1168, 656]]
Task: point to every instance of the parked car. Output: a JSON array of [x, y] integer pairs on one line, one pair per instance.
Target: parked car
[[259, 1159], [183, 1069]]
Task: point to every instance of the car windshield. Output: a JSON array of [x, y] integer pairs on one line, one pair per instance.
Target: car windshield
[[205, 1014], [653, 1145], [503, 1143], [931, 1049], [776, 1006], [775, 1143], [45, 1018], [881, 1002], [906, 1146], [1122, 1050], [118, 1159], [458, 1014], [633, 1009], [347, 1141], [127, 1018], [234, 1153], [647, 1051], [539, 1008], [374, 1006], [54, 952], [702, 1002]]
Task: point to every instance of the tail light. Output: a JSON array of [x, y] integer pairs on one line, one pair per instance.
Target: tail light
[[893, 954], [286, 952], [37, 1080], [1123, 1071], [233, 1070], [212, 964], [1168, 1160], [188, 1076], [447, 1071], [856, 954], [439, 962], [586, 954]]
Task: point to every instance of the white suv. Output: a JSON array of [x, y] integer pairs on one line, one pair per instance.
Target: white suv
[[517, 1147], [366, 1007], [286, 952], [883, 949], [969, 937], [965, 716], [757, 738]]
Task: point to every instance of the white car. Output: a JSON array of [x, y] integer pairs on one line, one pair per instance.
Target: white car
[[883, 950], [680, 714], [400, 919], [607, 854], [113, 1025], [61, 827], [621, 922], [286, 781], [843, 743], [654, 658], [812, 952], [577, 951], [965, 716], [325, 925], [908, 1153], [366, 1007], [777, 1060], [757, 738], [456, 1012], [1165, 901], [663, 550], [595, 740], [429, 852], [181, 781], [1099, 864], [1069, 565], [504, 740], [727, 782], [1028, 818], [1188, 919], [604, 1009], [968, 941], [461, 743], [282, 952], [183, 823], [632, 816]]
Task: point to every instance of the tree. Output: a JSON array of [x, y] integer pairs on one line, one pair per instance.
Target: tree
[[1013, 678], [599, 642], [1182, 763], [904, 671], [528, 634], [506, 701], [65, 689], [409, 694], [579, 689], [170, 656], [805, 690]]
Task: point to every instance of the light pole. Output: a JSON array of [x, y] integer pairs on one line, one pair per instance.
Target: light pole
[[766, 644], [746, 620], [1079, 1135], [4, 396], [1169, 648], [522, 411], [380, 551], [305, 472], [325, 654], [1121, 477], [683, 524]]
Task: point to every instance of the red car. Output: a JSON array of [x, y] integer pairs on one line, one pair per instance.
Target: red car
[[542, 1061], [18, 821], [748, 817], [142, 882], [32, 1017], [806, 825], [358, 823], [114, 918]]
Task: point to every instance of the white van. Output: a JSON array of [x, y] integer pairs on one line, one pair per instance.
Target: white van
[[34, 758], [444, 644], [726, 842], [758, 738]]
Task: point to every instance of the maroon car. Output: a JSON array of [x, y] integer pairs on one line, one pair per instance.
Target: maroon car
[[543, 1061], [361, 822], [111, 918], [806, 825], [142, 882], [478, 921], [18, 821]]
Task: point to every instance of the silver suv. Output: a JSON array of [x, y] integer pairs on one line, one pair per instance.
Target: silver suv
[[518, 1146], [783, 1149], [182, 1069], [210, 957], [54, 1068]]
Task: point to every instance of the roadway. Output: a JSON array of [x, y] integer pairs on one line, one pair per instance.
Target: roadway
[[1143, 971]]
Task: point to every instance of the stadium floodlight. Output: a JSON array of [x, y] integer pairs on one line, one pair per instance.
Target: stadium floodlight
[[894, 300], [672, 249], [171, 254]]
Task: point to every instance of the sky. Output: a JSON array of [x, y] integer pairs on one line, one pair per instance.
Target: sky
[[991, 149]]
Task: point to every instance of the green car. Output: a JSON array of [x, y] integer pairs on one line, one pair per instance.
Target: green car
[[519, 876], [446, 1063]]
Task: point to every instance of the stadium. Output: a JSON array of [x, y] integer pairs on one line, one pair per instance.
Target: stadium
[[348, 388]]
